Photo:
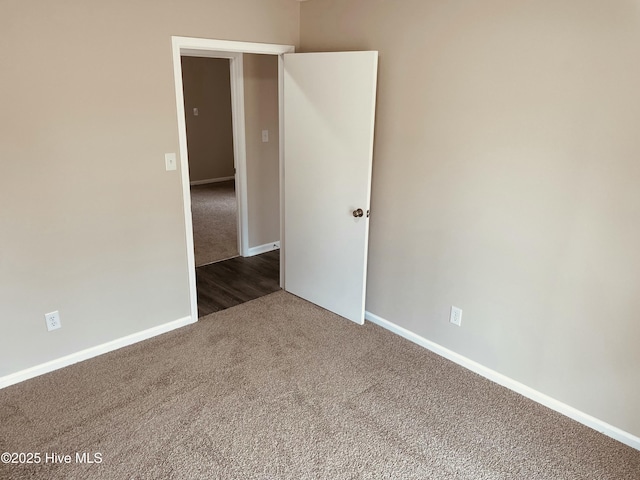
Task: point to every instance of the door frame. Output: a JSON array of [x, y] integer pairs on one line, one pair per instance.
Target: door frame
[[233, 50]]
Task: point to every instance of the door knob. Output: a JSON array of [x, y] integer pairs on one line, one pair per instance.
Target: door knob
[[358, 213]]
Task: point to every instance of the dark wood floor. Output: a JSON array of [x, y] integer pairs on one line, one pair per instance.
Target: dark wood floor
[[237, 280]]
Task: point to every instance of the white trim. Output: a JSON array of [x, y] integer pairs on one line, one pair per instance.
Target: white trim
[[281, 164], [92, 352], [267, 247], [206, 181], [202, 47], [500, 379], [239, 149], [184, 171]]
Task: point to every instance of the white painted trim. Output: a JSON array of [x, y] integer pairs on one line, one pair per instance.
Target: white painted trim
[[267, 247], [202, 47], [281, 164], [210, 180], [236, 73], [184, 171], [92, 352], [500, 379]]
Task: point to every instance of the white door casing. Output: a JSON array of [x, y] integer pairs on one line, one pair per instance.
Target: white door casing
[[203, 47], [329, 111]]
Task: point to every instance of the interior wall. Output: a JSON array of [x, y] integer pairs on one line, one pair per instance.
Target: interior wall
[[263, 161], [207, 87], [505, 182], [91, 223]]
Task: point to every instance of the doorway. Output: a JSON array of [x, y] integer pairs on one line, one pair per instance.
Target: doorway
[[208, 118], [333, 149], [254, 103]]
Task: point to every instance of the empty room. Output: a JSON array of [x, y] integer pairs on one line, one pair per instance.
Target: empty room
[[456, 210]]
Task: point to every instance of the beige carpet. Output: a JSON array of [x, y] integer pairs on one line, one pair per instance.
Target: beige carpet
[[278, 388], [214, 210]]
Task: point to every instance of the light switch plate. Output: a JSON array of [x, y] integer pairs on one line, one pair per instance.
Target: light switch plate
[[170, 161], [265, 136]]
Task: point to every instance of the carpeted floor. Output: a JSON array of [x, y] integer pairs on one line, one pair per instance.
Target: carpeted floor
[[215, 232], [279, 388]]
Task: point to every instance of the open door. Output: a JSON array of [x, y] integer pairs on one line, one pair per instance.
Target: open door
[[329, 110]]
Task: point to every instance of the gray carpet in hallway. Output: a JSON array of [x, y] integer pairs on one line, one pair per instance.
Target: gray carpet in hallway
[[215, 232], [279, 388]]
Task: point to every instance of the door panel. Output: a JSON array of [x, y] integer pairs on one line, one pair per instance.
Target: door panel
[[329, 109]]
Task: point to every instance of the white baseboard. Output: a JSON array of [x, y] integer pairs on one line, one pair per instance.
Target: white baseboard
[[267, 247], [211, 180], [577, 415], [91, 352]]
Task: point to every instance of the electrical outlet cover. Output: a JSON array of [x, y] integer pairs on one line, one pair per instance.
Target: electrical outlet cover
[[53, 320], [456, 316]]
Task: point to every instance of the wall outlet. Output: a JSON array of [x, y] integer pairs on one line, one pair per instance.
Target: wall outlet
[[53, 320], [456, 316]]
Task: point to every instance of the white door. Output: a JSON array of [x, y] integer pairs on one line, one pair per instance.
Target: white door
[[329, 109]]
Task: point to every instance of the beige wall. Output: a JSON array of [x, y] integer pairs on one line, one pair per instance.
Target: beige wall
[[263, 171], [91, 223], [207, 87], [506, 176]]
